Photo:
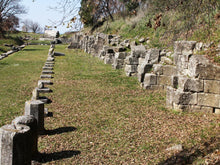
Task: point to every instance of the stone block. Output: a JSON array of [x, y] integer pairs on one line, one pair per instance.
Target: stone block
[[46, 76], [47, 68], [47, 72], [211, 100], [158, 69], [36, 109], [212, 86], [118, 64], [49, 65], [182, 64], [166, 60], [138, 51], [131, 60], [190, 84], [142, 69], [185, 98], [15, 146], [141, 61], [217, 111], [197, 108], [129, 69], [170, 94], [50, 59], [184, 47], [120, 55], [44, 90], [119, 49], [164, 80], [169, 70], [31, 122], [149, 79], [199, 67], [152, 56]]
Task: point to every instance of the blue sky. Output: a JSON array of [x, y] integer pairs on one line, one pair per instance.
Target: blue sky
[[39, 11]]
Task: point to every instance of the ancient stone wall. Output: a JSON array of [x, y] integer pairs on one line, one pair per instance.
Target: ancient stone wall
[[191, 81]]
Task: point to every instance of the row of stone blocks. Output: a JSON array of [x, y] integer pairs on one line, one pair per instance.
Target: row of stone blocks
[[188, 75], [19, 140], [4, 55]]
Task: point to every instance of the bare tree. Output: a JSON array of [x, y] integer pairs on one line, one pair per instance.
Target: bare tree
[[9, 9], [31, 26]]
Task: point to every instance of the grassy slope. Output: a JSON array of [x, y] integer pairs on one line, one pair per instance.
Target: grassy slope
[[102, 116], [18, 76]]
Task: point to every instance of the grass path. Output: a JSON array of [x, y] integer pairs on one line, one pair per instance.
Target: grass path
[[103, 117], [19, 74]]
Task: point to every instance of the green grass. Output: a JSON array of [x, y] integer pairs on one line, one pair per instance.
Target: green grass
[[19, 74], [116, 120]]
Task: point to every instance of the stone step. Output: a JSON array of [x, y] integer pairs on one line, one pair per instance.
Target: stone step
[[47, 72], [48, 65], [45, 100], [46, 76], [50, 59], [47, 68], [50, 62]]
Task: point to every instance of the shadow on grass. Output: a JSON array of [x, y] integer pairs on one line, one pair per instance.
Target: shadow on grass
[[28, 50], [59, 130], [188, 156], [48, 157]]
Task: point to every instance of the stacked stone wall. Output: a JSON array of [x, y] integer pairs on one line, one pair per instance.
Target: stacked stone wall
[[191, 81]]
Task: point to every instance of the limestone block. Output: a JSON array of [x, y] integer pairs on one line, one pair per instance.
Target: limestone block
[[212, 86], [166, 60], [49, 65], [35, 94], [149, 79], [158, 69], [152, 56], [138, 51], [131, 60], [164, 80], [118, 63], [185, 98], [142, 69], [211, 100], [169, 70], [182, 64], [217, 111], [47, 68], [44, 90], [170, 94], [31, 122], [120, 55], [208, 72], [15, 146], [197, 108], [129, 69], [36, 108], [46, 76], [47, 72], [190, 84], [141, 60], [184, 47]]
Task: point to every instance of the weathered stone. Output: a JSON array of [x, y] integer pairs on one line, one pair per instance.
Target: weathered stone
[[119, 49], [131, 60], [163, 52], [46, 76], [199, 46], [49, 65], [144, 68], [185, 98], [50, 59], [74, 45], [36, 108], [120, 55], [51, 33], [44, 90], [204, 109], [118, 63], [212, 100], [158, 69], [31, 122], [141, 60], [47, 68], [166, 60], [47, 72], [142, 40], [170, 93], [149, 79], [138, 51], [182, 64], [169, 70], [212, 86], [164, 80], [45, 100], [176, 148], [217, 111], [15, 146], [152, 56], [174, 80], [129, 69], [190, 85], [184, 47], [45, 82], [35, 94]]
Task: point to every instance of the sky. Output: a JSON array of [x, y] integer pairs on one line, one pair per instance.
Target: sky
[[39, 11]]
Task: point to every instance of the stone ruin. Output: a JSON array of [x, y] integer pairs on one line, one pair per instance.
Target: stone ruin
[[191, 82], [19, 140]]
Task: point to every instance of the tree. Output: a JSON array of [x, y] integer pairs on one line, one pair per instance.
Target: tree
[[9, 9], [29, 25]]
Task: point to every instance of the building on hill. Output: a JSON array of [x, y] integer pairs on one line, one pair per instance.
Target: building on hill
[[51, 34]]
